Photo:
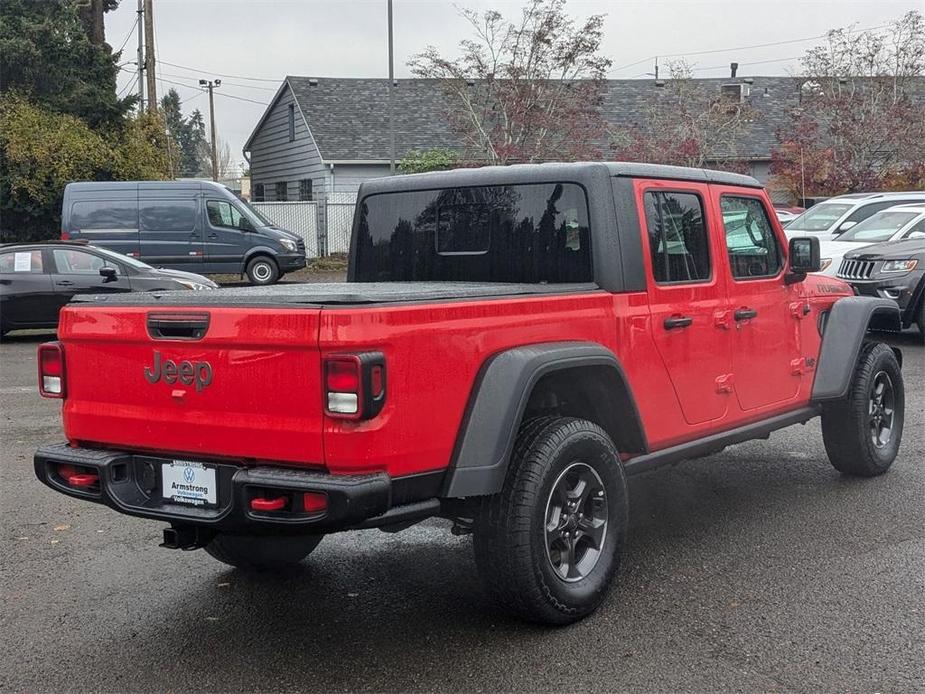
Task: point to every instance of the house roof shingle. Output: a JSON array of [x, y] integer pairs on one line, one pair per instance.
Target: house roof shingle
[[349, 116]]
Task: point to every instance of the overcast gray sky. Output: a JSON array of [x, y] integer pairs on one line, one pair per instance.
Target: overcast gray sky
[[269, 39]]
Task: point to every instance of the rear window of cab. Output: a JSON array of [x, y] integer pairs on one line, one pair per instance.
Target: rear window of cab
[[531, 233]]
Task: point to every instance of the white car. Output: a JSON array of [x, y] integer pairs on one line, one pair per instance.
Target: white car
[[893, 224], [835, 216], [785, 216]]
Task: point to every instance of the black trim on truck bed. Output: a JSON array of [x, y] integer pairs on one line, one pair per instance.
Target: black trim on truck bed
[[335, 294]]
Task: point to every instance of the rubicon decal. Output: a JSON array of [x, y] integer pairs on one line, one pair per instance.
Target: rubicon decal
[[187, 372]]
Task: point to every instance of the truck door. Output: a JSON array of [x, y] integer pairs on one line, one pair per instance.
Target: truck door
[[762, 310], [685, 293], [169, 229], [229, 234]]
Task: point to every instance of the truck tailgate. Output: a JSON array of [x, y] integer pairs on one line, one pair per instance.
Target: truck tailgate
[[248, 388]]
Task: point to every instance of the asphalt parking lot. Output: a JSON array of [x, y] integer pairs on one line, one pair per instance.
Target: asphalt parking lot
[[758, 569]]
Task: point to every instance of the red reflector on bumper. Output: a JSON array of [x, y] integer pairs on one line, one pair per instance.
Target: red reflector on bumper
[[315, 501], [275, 504], [78, 478]]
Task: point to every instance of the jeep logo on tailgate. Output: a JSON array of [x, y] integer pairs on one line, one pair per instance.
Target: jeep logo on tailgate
[[187, 372]]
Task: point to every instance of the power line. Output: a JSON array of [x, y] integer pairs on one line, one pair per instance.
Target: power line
[[190, 86], [738, 48], [128, 35], [233, 84], [220, 74]]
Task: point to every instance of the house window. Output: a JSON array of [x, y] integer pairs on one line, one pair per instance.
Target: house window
[[291, 122], [259, 195], [281, 191], [305, 189]]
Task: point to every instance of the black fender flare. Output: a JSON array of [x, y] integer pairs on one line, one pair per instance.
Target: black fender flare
[[258, 250], [849, 320], [915, 303], [497, 404]]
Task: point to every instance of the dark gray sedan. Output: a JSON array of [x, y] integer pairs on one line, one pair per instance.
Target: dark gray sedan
[[37, 279]]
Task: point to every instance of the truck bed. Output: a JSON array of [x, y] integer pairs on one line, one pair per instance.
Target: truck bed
[[334, 293]]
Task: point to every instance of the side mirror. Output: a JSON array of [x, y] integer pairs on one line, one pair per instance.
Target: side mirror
[[804, 258], [916, 235], [844, 226], [108, 274]]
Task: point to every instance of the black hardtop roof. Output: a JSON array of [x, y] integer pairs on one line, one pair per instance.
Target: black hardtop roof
[[550, 172]]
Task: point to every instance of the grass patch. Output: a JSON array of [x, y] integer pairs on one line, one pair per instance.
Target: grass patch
[[336, 262]]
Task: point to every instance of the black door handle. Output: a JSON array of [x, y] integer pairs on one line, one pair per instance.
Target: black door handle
[[745, 313], [678, 322], [65, 283], [213, 235]]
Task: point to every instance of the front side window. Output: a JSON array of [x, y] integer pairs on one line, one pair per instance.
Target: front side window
[[224, 214], [21, 261], [917, 228], [819, 217], [73, 262], [104, 215], [531, 233], [750, 241], [879, 227], [167, 215], [678, 241]]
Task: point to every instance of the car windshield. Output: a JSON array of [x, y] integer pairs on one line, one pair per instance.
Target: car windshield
[[881, 227], [259, 220], [132, 262], [819, 217]]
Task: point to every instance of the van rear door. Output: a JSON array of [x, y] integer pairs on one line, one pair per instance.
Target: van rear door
[[104, 216], [169, 225]]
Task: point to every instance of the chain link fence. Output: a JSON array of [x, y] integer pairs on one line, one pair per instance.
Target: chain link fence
[[298, 217], [339, 207]]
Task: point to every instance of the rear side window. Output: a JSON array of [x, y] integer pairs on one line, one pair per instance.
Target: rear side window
[[112, 215], [750, 240], [529, 233], [167, 215], [866, 211], [21, 261], [678, 241]]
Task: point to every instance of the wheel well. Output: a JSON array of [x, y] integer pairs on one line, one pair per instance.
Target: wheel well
[[598, 394], [882, 319]]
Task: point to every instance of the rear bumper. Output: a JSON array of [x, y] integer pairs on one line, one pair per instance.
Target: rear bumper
[[131, 484]]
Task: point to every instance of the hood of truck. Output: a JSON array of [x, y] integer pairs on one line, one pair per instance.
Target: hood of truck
[[247, 389]]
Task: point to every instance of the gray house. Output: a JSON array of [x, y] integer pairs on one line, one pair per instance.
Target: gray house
[[320, 137]]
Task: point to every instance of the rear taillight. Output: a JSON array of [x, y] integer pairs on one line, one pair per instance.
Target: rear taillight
[[51, 370], [354, 385]]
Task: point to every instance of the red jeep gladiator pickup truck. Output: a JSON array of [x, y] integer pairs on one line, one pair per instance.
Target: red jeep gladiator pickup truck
[[510, 345]]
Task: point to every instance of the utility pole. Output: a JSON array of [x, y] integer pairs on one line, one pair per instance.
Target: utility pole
[[391, 104], [141, 58], [149, 55], [210, 85]]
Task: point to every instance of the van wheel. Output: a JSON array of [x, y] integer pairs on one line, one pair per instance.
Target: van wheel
[[262, 270], [261, 552], [862, 432], [548, 546]]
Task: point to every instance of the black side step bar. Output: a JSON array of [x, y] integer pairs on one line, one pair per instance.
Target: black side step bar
[[717, 442]]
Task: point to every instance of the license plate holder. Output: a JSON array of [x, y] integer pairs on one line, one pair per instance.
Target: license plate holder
[[189, 483]]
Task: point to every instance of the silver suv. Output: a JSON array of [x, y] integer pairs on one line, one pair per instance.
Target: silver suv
[[837, 215]]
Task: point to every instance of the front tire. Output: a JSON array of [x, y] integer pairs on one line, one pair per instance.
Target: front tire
[[548, 546], [262, 552], [862, 433], [262, 271]]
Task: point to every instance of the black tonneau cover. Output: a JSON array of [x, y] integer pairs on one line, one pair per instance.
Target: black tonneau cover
[[340, 293]]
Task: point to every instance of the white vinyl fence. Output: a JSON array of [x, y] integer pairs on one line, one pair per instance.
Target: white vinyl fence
[[298, 217]]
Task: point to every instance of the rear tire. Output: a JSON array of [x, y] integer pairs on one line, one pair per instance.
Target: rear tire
[[548, 546], [262, 552], [262, 271], [862, 433]]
